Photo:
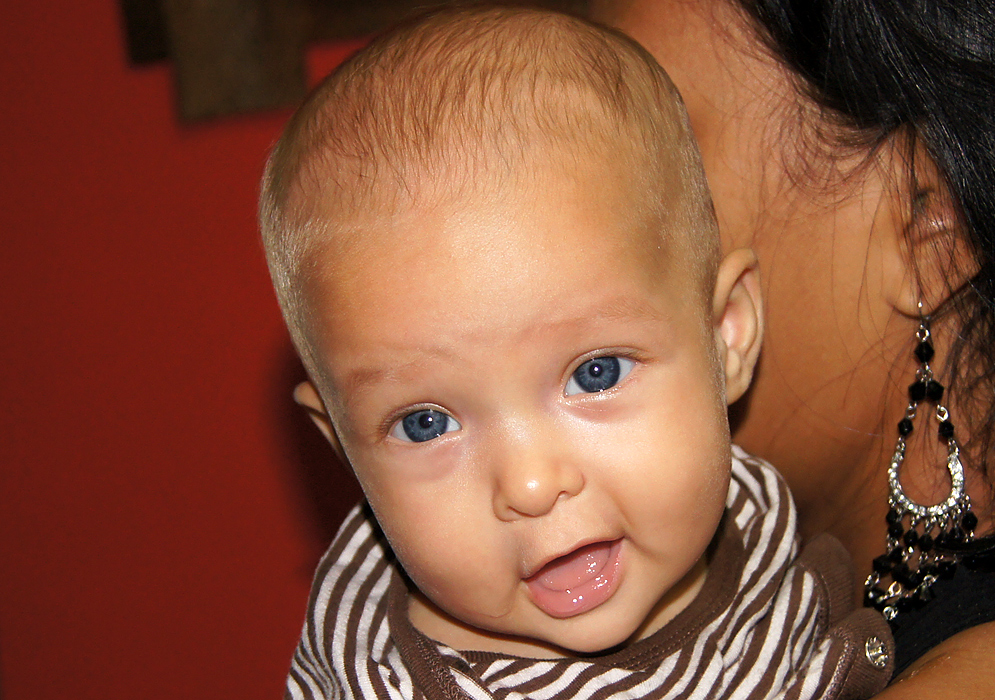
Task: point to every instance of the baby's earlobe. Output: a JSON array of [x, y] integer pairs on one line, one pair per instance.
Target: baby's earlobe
[[307, 396]]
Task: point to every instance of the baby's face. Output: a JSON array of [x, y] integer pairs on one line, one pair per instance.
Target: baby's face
[[530, 394]]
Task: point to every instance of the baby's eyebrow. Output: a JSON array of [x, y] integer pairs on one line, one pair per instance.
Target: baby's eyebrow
[[363, 378], [627, 307]]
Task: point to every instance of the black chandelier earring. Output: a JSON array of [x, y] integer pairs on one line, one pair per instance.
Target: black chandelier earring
[[924, 543]]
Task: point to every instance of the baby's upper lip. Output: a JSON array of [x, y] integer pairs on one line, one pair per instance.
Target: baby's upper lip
[[533, 571]]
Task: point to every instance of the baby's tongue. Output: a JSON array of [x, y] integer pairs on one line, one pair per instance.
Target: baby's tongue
[[575, 568]]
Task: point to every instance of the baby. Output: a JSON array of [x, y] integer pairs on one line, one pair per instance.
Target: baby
[[493, 243]]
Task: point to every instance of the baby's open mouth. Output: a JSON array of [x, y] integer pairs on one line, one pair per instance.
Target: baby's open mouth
[[578, 581]]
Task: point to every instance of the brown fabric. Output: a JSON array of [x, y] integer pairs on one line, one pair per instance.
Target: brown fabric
[[855, 677]]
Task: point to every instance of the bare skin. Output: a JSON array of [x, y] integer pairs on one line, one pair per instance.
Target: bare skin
[[835, 239]]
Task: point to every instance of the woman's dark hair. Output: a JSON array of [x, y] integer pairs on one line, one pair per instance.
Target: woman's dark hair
[[926, 66]]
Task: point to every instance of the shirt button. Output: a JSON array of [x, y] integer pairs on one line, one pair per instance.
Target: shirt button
[[876, 652]]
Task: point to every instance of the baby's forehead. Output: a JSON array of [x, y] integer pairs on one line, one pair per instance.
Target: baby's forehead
[[458, 234]]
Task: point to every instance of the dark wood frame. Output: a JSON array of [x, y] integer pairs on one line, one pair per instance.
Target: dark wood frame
[[237, 56]]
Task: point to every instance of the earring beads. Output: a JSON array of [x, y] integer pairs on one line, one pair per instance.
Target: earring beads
[[922, 542]]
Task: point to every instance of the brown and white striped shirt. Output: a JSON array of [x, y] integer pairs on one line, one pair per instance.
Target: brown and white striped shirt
[[766, 624]]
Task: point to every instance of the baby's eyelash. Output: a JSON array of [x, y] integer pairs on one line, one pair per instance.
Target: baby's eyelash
[[388, 423], [424, 425], [621, 353], [598, 374]]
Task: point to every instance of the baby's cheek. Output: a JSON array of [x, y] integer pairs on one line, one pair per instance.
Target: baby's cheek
[[431, 535], [471, 583]]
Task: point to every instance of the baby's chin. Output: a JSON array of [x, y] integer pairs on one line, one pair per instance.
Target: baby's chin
[[556, 646], [595, 638], [590, 634], [583, 635]]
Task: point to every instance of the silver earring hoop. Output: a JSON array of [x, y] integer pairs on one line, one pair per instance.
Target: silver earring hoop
[[924, 543]]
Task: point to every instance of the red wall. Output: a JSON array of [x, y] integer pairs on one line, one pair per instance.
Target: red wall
[[162, 503]]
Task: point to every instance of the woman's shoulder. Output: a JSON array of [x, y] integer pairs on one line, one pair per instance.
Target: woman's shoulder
[[959, 667]]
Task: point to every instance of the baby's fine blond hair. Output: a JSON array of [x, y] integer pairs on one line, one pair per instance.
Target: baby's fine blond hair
[[462, 95]]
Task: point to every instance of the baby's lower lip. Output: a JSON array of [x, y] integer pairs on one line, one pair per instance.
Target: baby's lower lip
[[577, 582]]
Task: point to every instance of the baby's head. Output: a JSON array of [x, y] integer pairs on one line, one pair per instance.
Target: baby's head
[[493, 243]]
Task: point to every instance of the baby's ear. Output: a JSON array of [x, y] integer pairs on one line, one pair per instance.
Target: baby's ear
[[737, 319], [307, 396]]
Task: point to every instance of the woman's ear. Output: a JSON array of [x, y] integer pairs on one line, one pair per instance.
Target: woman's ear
[[927, 255], [307, 396], [737, 319]]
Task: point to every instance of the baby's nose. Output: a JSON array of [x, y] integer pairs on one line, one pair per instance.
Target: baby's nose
[[530, 481]]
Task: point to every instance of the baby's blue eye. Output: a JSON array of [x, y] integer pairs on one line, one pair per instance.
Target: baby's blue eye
[[598, 374], [423, 425]]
